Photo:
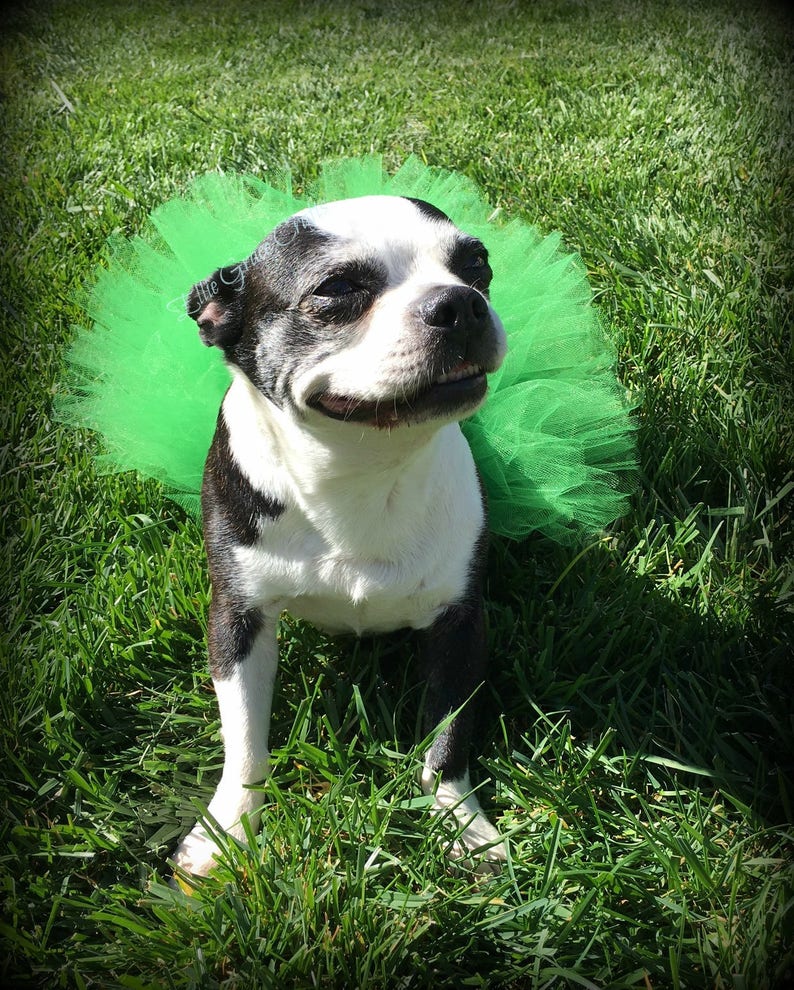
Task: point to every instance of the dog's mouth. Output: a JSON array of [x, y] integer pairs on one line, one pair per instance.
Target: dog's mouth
[[456, 391]]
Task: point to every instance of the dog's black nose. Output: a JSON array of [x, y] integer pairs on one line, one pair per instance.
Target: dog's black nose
[[454, 308]]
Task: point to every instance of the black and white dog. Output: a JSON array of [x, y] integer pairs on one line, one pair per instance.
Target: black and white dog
[[339, 486]]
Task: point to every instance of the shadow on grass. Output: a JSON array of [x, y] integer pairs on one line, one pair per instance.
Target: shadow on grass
[[608, 649]]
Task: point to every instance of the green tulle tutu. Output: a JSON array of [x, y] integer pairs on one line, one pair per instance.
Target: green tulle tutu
[[554, 442]]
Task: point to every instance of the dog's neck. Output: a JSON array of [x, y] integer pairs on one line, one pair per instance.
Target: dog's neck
[[359, 485]]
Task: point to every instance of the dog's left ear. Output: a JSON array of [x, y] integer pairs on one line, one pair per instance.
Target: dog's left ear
[[216, 304]]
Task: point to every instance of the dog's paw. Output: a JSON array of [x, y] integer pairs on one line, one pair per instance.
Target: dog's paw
[[477, 845], [197, 854], [234, 811]]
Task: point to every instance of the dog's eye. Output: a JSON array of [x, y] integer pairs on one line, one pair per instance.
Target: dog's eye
[[473, 267], [335, 286], [475, 261]]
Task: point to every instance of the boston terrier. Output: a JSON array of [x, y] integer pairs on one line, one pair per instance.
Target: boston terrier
[[339, 486]]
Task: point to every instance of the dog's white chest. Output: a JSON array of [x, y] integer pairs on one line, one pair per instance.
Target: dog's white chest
[[393, 555], [343, 595]]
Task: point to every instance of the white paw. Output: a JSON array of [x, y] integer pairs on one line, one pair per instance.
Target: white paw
[[477, 841], [197, 853]]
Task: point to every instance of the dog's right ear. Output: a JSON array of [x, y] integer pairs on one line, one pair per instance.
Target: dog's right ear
[[216, 304]]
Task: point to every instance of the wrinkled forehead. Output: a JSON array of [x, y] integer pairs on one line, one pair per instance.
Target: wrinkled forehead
[[369, 215], [383, 224], [391, 238]]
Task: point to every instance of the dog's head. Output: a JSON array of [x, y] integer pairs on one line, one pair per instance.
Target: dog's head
[[371, 310]]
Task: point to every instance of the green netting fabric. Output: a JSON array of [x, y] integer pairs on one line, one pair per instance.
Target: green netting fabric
[[554, 442]]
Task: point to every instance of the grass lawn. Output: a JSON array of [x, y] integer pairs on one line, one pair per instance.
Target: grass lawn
[[639, 743]]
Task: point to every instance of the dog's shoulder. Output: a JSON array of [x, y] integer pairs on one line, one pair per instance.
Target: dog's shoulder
[[232, 506]]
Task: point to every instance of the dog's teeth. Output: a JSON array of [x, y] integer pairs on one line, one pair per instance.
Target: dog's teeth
[[463, 371]]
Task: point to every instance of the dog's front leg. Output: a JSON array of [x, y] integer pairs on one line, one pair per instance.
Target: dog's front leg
[[243, 661], [455, 661]]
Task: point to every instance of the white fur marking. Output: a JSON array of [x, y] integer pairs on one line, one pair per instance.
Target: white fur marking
[[244, 700], [477, 838]]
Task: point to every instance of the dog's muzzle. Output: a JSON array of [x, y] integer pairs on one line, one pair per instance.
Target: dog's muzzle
[[456, 329]]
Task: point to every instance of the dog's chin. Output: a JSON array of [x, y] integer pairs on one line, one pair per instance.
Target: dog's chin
[[451, 396]]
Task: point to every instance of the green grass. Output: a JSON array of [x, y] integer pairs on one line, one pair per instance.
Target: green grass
[[638, 741]]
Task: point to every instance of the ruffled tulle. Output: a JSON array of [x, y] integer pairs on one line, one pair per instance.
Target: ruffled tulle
[[554, 443]]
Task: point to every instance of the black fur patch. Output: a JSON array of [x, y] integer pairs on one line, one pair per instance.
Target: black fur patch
[[454, 664], [469, 261], [428, 210], [232, 508], [230, 635], [266, 312]]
